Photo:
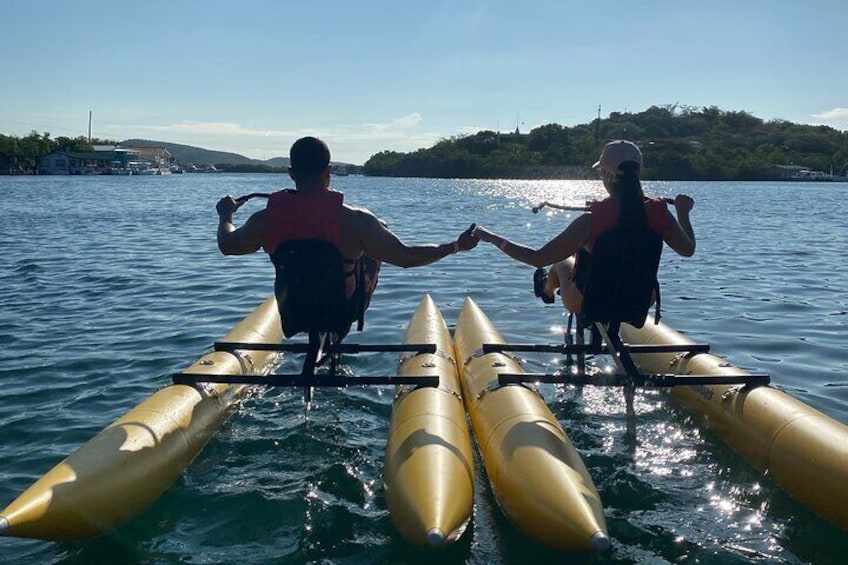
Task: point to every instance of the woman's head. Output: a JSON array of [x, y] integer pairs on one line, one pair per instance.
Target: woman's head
[[620, 166], [615, 154]]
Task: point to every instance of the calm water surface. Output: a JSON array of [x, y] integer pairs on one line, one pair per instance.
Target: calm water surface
[[109, 284]]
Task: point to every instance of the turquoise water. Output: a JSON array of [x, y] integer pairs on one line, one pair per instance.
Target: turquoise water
[[109, 284]]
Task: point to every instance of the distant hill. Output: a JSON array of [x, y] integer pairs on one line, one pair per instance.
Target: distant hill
[[188, 155], [278, 162], [20, 155]]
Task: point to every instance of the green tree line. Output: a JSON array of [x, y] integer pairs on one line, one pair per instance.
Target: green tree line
[[21, 154], [678, 143]]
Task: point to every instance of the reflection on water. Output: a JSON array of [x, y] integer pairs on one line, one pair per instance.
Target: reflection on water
[[112, 283]]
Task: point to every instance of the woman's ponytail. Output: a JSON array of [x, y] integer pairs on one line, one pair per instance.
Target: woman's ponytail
[[629, 191]]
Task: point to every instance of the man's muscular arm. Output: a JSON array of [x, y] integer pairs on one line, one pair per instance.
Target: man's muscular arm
[[238, 241], [381, 243]]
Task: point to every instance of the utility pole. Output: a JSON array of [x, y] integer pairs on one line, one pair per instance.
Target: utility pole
[[598, 128], [89, 127]]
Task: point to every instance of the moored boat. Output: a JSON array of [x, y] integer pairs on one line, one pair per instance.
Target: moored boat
[[429, 466], [537, 475], [803, 451], [127, 466]]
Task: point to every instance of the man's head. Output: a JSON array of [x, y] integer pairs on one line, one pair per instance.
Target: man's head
[[309, 160]]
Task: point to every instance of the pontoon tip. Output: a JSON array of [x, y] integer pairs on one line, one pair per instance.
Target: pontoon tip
[[600, 541], [435, 538], [4, 525]]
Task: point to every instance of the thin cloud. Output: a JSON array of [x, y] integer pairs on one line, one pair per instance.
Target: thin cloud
[[403, 123], [218, 128], [835, 114], [835, 117], [397, 128], [352, 143]]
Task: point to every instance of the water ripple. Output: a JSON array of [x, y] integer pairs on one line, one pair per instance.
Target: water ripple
[[110, 284]]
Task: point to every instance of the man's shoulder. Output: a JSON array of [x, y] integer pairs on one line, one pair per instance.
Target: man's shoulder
[[357, 212], [361, 218], [256, 221]]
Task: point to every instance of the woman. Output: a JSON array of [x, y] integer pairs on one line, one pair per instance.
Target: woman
[[620, 167]]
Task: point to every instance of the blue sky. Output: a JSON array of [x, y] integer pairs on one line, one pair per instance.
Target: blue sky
[[251, 76]]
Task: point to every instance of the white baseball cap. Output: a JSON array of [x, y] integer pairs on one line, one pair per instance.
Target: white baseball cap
[[617, 152]]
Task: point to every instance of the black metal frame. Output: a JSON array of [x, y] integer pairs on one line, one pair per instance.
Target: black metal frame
[[322, 348], [629, 375]]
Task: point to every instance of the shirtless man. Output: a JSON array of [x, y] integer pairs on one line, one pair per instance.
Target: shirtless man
[[315, 211]]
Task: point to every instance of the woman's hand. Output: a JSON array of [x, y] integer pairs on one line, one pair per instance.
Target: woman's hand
[[683, 203], [485, 235]]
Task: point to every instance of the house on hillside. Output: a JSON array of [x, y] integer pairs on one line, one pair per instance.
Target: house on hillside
[[159, 156], [82, 163], [149, 160], [108, 160], [788, 172]]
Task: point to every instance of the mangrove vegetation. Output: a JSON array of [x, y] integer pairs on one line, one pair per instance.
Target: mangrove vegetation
[[678, 143]]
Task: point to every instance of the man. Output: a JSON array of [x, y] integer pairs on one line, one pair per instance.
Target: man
[[315, 212]]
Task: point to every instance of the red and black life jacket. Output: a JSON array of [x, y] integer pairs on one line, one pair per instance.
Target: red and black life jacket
[[293, 215], [619, 277], [303, 236]]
